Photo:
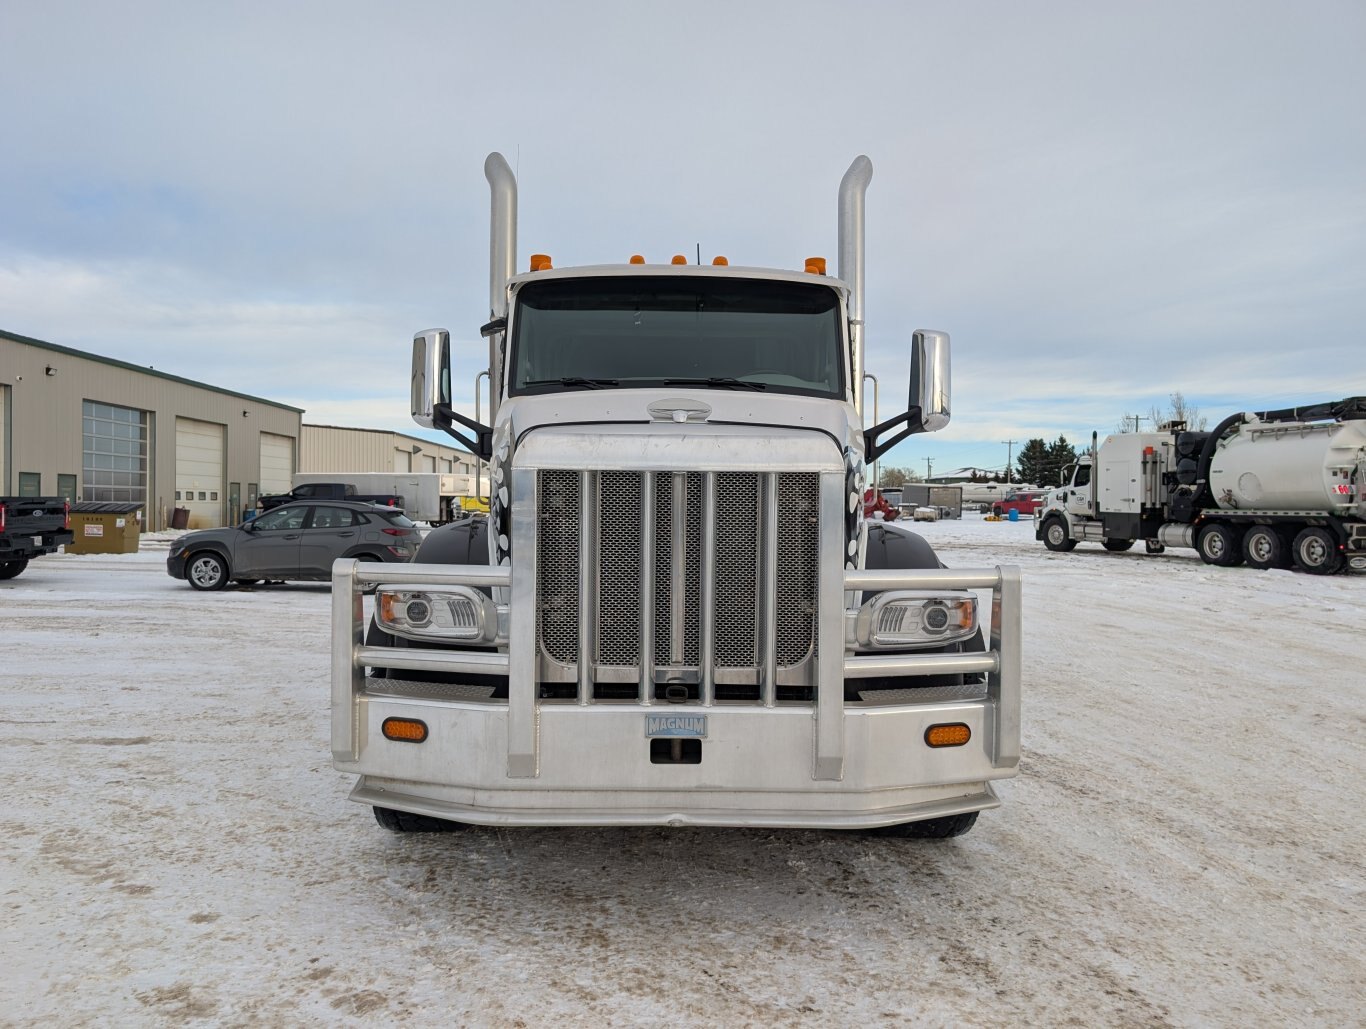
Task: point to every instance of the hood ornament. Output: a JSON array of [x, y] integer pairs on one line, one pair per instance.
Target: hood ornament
[[680, 410]]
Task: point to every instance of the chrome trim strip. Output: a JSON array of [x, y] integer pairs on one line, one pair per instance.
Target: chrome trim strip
[[379, 572], [830, 660], [1003, 686], [522, 645], [867, 666], [678, 568], [647, 588], [768, 587], [922, 578], [707, 597], [469, 662], [348, 678], [588, 582]]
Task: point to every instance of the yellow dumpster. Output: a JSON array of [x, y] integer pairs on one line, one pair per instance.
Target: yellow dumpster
[[102, 527]]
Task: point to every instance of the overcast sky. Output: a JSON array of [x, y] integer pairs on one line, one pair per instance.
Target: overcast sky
[[1101, 202]]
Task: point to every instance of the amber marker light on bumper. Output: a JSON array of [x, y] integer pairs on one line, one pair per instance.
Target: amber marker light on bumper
[[404, 730], [951, 734]]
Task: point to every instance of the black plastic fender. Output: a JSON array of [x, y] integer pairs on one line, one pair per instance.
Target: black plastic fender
[[465, 542]]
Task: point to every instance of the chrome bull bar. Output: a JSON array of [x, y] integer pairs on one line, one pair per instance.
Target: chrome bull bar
[[1000, 663]]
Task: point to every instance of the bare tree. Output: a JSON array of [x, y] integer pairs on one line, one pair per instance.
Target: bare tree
[[1180, 410]]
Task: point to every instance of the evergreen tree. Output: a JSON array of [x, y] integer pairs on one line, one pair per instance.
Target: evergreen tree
[[1032, 464], [1060, 455]]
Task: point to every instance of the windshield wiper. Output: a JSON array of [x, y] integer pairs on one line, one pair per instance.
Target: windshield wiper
[[572, 380], [718, 380]]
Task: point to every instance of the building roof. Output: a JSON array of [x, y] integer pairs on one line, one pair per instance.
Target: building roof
[[145, 370]]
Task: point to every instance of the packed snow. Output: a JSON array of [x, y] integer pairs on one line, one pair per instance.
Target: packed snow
[[1183, 846]]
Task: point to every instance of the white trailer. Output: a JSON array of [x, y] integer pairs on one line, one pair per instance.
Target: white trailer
[[431, 497], [1275, 489], [675, 612]]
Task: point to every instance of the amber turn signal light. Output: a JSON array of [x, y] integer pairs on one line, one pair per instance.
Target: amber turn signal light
[[404, 730], [815, 265], [952, 734], [540, 262]]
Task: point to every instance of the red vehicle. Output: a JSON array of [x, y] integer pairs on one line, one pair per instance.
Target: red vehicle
[[875, 505], [1024, 501]]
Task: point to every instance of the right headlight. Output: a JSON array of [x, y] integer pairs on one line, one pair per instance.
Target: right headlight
[[446, 614], [915, 618]]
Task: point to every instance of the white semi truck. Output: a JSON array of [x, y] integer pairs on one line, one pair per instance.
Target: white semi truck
[[1277, 489], [675, 612]]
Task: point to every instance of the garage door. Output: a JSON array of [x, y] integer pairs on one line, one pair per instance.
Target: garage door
[[4, 446], [199, 471], [277, 463]]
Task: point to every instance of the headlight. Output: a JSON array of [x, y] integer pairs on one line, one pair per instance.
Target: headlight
[[453, 614], [913, 618]]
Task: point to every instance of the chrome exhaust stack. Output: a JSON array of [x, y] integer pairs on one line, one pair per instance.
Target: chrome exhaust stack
[[502, 260], [852, 188]]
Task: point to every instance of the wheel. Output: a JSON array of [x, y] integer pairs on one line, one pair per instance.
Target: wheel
[[1055, 536], [1117, 546], [1219, 544], [368, 559], [1316, 551], [207, 571], [931, 828], [1265, 547], [9, 569], [406, 821]]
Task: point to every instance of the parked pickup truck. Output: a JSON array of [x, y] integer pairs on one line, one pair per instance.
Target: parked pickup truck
[[1024, 501], [328, 491], [31, 527]]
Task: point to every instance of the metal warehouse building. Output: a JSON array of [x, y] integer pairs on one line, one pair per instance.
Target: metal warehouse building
[[332, 448], [86, 427]]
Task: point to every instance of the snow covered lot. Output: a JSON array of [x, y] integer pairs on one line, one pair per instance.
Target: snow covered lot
[[1184, 844]]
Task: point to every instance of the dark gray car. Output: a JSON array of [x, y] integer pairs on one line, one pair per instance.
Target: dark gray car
[[296, 541]]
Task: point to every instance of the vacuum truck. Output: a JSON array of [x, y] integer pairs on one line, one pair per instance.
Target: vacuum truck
[[1274, 489]]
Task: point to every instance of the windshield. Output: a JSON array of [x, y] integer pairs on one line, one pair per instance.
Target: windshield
[[644, 331]]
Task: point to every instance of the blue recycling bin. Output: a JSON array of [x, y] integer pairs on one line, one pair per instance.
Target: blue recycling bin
[[1014, 515]]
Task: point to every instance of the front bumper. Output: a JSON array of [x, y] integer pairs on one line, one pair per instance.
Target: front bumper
[[524, 760]]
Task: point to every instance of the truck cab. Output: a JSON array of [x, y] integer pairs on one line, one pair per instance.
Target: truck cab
[[675, 612]]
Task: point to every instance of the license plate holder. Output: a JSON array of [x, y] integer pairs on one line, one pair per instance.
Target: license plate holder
[[676, 727]]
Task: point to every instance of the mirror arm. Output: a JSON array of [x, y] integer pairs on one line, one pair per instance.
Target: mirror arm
[[873, 449], [481, 445]]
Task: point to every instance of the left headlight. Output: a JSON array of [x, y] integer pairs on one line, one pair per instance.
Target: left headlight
[[913, 618], [454, 614]]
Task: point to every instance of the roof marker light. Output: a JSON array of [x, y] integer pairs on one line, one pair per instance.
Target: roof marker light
[[540, 263], [637, 259], [815, 265], [718, 260], [679, 259]]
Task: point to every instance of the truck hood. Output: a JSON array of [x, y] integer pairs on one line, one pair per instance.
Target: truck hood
[[676, 409]]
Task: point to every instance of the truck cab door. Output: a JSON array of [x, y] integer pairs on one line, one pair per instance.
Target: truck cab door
[[1079, 492]]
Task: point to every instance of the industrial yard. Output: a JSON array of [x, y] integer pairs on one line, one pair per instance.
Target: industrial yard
[[1183, 845]]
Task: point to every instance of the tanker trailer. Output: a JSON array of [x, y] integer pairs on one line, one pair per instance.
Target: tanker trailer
[[1275, 489]]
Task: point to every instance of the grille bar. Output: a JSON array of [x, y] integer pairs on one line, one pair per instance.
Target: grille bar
[[707, 629], [768, 593], [647, 599], [588, 587]]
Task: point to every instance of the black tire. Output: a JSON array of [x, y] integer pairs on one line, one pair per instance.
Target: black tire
[[1117, 546], [930, 828], [1315, 551], [1220, 545], [1265, 547], [406, 821], [1055, 536], [9, 569], [206, 571]]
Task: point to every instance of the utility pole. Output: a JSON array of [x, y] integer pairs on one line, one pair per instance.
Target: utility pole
[[1137, 419], [929, 468], [1010, 452]]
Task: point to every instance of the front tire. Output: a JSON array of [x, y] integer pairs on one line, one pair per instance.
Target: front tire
[[1316, 551], [9, 569], [1219, 544], [1055, 536], [406, 821], [207, 571], [931, 828]]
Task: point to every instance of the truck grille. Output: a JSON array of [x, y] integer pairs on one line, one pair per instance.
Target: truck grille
[[646, 583]]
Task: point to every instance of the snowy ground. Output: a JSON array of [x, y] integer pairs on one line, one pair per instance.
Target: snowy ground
[[1183, 845]]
